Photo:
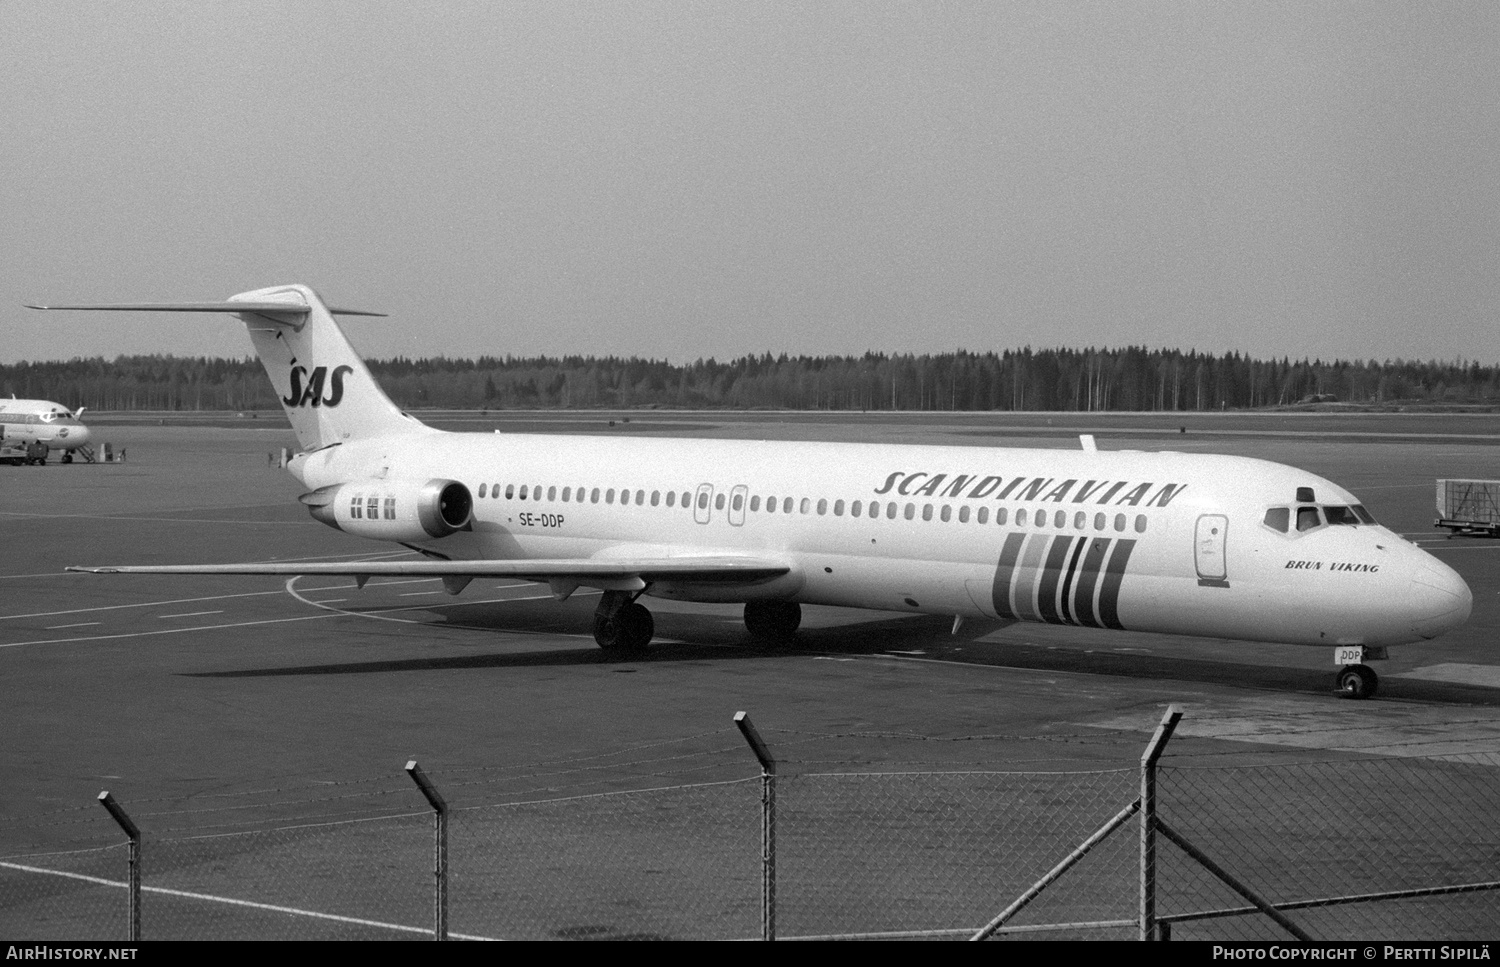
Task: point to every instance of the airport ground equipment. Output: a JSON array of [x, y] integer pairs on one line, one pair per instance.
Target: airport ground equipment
[[17, 454], [1469, 507]]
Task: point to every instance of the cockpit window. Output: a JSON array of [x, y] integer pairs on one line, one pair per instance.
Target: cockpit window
[[1309, 518], [1340, 515]]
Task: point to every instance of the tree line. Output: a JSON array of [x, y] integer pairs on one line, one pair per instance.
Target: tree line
[[1130, 379]]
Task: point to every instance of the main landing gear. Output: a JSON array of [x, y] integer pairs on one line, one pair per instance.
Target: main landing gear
[[622, 625], [772, 621], [1356, 679]]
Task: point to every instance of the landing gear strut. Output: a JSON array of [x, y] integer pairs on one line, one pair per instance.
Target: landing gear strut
[[772, 620], [622, 625], [1357, 681]]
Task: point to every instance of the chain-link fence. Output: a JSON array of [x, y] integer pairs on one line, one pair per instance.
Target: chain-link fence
[[821, 836]]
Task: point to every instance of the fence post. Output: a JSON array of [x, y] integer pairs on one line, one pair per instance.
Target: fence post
[[134, 877], [767, 824], [439, 848], [1154, 750]]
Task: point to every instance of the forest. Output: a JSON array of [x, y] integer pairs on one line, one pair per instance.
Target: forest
[[1131, 379]]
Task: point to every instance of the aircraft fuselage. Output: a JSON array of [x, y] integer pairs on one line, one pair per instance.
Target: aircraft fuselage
[[1162, 542]]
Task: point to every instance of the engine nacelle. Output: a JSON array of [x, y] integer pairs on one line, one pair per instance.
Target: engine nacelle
[[394, 510]]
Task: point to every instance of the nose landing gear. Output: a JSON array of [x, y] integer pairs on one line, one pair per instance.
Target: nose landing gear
[[1356, 679]]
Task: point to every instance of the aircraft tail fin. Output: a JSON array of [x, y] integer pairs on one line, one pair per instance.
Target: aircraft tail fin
[[327, 392]]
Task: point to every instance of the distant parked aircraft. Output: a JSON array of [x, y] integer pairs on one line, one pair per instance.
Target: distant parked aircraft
[[52, 425]]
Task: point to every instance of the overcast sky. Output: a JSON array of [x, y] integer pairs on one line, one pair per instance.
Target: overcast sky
[[684, 180]]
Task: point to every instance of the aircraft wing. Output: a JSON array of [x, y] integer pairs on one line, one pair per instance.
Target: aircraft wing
[[622, 573]]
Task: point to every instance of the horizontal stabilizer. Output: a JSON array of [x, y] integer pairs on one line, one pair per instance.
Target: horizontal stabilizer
[[285, 308]]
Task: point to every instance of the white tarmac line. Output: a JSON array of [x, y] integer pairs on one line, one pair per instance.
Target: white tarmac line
[[327, 612], [231, 901], [81, 624], [215, 597], [189, 614], [167, 631]]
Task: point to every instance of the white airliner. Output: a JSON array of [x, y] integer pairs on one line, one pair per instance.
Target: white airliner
[[41, 421], [1177, 543]]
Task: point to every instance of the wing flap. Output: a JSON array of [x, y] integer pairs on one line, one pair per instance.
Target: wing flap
[[630, 573]]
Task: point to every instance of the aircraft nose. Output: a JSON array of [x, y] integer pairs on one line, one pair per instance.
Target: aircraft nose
[[81, 435], [1441, 601]]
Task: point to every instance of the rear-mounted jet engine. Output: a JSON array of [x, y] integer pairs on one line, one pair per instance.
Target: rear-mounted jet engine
[[394, 510]]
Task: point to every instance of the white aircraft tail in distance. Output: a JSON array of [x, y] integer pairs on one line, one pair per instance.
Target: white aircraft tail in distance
[[1177, 543]]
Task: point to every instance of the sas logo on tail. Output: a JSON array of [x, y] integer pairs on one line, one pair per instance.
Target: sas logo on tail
[[312, 393]]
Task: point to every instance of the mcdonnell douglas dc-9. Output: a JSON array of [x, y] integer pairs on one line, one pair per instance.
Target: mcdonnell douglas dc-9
[[1174, 543]]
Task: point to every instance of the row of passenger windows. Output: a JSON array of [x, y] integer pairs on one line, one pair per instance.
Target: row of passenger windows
[[1310, 518], [61, 419], [872, 510]]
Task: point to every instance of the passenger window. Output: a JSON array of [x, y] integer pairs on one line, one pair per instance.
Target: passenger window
[[927, 512], [945, 514], [594, 496], [1080, 520], [609, 496], [1120, 522], [1039, 518], [703, 499], [1001, 515], [963, 514], [1307, 518], [655, 497], [390, 508], [551, 493], [567, 492], [738, 502], [1279, 519], [719, 502], [856, 507], [983, 516], [911, 511], [838, 508], [687, 498], [671, 498], [890, 510], [1021, 517], [1140, 523], [770, 505], [510, 491], [1098, 522], [806, 504], [483, 489], [1060, 519], [755, 503]]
